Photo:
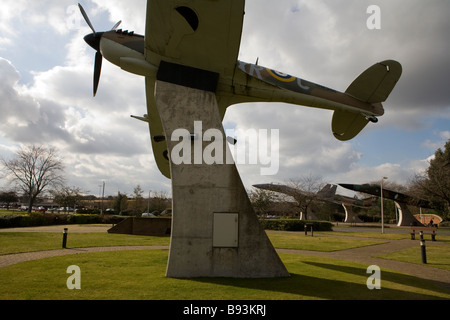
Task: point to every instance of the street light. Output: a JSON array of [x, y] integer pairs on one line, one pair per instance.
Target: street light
[[382, 213], [148, 203]]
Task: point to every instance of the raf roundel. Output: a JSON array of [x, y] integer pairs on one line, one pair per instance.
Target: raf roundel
[[281, 76]]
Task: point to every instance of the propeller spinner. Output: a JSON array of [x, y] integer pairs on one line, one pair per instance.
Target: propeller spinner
[[93, 40]]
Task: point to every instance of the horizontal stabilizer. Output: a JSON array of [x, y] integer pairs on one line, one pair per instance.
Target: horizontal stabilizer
[[346, 125], [376, 83]]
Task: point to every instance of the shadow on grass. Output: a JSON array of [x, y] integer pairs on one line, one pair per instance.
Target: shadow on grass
[[308, 287], [401, 279]]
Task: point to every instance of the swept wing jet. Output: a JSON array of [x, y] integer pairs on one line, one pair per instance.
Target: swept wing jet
[[375, 189], [327, 193], [197, 35]]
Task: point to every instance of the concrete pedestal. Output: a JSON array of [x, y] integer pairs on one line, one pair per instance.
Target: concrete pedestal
[[405, 217], [215, 232], [350, 216]]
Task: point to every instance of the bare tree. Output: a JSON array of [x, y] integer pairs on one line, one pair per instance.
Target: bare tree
[[261, 200], [34, 169], [306, 192], [67, 197]]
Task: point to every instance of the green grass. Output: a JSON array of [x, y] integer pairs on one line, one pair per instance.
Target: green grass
[[298, 241], [374, 235], [386, 236], [15, 242], [141, 275], [437, 256]]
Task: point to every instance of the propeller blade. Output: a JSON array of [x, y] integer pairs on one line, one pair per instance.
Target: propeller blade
[[86, 18], [97, 70], [116, 25]]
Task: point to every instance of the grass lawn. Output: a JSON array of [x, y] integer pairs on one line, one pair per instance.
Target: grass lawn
[[15, 242], [298, 241], [141, 275], [385, 236], [437, 256]]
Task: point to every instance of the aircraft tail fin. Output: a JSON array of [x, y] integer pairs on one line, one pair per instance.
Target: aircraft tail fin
[[328, 191], [373, 86], [376, 83]]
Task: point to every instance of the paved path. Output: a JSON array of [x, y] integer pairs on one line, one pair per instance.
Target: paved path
[[365, 255]]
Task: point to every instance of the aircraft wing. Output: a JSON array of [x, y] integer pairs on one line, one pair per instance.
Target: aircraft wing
[[197, 33], [279, 188], [201, 34], [157, 134]]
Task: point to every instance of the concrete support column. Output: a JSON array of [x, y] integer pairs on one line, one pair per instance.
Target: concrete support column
[[350, 216], [215, 232], [405, 217]]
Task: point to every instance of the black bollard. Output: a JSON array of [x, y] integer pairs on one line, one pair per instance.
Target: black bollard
[[423, 248], [306, 230], [312, 233], [64, 242]]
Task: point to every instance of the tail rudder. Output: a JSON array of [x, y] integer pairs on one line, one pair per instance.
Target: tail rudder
[[376, 83], [373, 86]]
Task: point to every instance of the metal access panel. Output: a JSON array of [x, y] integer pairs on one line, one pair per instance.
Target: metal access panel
[[226, 230]]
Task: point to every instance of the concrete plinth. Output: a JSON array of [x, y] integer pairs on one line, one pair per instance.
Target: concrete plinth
[[143, 226], [215, 232], [350, 216], [405, 217]]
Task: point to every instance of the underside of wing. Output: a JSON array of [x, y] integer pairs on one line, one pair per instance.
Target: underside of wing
[[197, 33], [157, 135], [346, 125]]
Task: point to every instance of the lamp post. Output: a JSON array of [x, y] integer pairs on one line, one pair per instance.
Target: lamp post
[[148, 203], [382, 211]]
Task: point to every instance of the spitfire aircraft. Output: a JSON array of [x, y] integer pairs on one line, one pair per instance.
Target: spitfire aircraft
[[205, 36]]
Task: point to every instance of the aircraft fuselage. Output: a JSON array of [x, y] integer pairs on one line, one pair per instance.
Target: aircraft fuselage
[[250, 82]]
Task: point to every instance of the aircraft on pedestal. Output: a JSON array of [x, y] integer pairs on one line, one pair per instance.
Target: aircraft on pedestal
[[205, 35]]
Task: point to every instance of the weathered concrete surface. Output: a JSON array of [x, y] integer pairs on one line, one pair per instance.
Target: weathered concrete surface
[[143, 226], [201, 190], [350, 216], [405, 217]]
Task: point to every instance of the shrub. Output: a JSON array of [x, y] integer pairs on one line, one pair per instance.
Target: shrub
[[50, 219], [295, 225]]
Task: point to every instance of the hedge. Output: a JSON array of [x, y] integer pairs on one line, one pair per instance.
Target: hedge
[[46, 219], [295, 225]]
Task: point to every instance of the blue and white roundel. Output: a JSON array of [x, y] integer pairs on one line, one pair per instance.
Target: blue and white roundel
[[281, 76]]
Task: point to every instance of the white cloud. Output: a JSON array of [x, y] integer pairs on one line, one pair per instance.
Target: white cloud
[[46, 86]]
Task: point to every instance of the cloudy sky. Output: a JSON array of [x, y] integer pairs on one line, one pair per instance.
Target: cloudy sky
[[46, 89]]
